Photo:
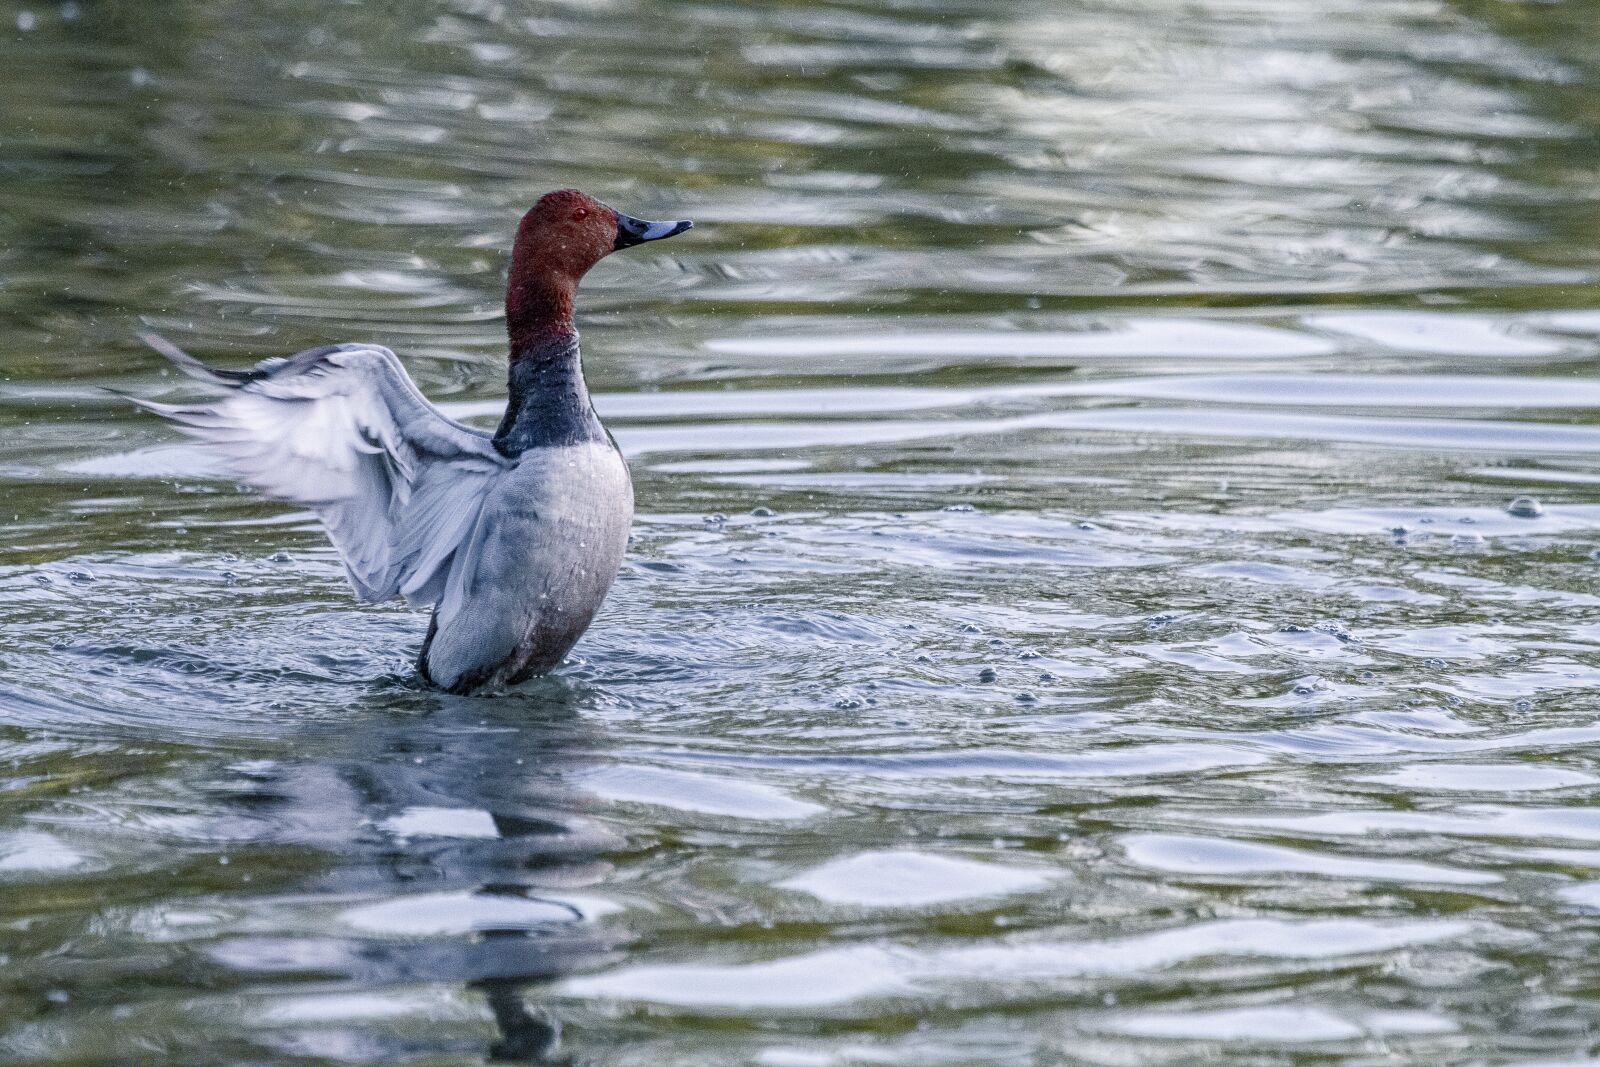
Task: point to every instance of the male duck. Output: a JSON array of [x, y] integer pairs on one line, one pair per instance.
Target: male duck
[[514, 538]]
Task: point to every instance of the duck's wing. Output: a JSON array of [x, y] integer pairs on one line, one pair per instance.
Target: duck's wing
[[343, 430]]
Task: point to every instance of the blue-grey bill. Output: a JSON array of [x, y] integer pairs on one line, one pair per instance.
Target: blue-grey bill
[[632, 231]]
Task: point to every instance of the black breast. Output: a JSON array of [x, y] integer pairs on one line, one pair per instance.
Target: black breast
[[549, 404]]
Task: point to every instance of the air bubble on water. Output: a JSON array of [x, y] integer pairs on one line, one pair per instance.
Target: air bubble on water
[[1434, 663], [960, 507], [847, 703], [281, 556], [1425, 519], [229, 578], [1367, 676], [1027, 698], [1466, 540], [987, 675], [1466, 520], [1088, 527], [923, 657], [1333, 628], [1029, 653], [1523, 705], [80, 577], [1525, 507], [716, 518], [43, 579], [1046, 676], [763, 512], [969, 628]]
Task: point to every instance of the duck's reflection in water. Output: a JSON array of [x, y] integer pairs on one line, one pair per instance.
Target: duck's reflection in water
[[460, 855]]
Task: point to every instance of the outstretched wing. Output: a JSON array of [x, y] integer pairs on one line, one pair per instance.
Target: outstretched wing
[[343, 430]]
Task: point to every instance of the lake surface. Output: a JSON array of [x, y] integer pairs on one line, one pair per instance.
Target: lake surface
[[1074, 614]]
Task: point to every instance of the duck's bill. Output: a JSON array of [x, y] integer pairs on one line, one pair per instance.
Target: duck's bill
[[632, 231]]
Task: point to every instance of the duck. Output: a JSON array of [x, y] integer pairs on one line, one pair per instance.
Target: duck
[[512, 537]]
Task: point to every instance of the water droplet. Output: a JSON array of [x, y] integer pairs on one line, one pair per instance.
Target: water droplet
[[1525, 507]]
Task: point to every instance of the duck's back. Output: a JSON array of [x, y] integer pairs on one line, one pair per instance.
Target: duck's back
[[545, 549]]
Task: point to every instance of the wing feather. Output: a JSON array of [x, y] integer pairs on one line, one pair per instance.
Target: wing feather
[[343, 430]]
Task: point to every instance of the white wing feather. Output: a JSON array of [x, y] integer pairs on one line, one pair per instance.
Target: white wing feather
[[344, 431]]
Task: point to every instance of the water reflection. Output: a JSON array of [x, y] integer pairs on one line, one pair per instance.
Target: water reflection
[[435, 845]]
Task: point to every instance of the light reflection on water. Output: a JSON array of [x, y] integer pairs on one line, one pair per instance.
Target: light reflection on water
[[1076, 611]]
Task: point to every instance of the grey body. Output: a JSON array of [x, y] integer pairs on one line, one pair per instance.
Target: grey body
[[513, 538], [549, 539]]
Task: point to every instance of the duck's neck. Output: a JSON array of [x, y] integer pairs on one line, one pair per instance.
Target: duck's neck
[[549, 404]]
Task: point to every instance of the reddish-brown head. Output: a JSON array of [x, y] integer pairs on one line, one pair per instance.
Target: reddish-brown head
[[559, 239]]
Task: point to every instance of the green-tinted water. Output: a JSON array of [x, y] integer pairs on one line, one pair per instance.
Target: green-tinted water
[[1073, 615]]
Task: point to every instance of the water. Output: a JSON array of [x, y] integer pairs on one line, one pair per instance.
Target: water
[[1077, 611]]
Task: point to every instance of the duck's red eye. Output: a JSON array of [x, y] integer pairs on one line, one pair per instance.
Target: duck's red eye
[[580, 214]]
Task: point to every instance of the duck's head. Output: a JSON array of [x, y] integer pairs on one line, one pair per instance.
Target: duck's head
[[567, 232], [559, 239]]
